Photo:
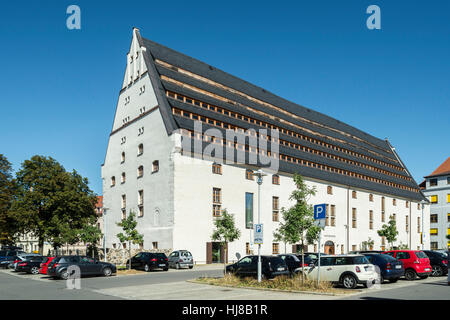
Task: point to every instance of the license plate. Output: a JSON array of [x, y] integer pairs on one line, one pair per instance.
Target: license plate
[[398, 267], [162, 265], [280, 269], [427, 269]]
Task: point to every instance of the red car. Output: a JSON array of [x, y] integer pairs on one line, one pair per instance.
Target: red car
[[44, 265], [415, 262]]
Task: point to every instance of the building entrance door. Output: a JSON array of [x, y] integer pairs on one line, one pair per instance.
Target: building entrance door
[[214, 253], [329, 247]]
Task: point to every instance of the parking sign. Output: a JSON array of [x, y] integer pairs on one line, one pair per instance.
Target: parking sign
[[258, 238], [320, 211]]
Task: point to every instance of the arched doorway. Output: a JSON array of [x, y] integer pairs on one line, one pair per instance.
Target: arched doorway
[[329, 247]]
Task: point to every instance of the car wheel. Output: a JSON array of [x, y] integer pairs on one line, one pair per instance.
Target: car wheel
[[64, 275], [166, 269], [190, 267], [35, 270], [410, 275], [107, 272], [146, 268], [349, 281], [177, 266], [393, 280], [436, 271]]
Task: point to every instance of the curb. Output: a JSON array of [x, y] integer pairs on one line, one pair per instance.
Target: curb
[[281, 290]]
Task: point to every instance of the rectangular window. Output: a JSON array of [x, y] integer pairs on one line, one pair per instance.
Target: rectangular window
[[353, 217], [124, 201], [275, 179], [394, 202], [155, 245], [382, 217], [354, 194], [327, 216], [354, 247], [371, 219], [434, 199], [407, 204], [434, 245], [275, 248], [248, 210], [330, 190], [275, 208], [217, 202], [333, 215], [418, 224], [407, 224], [247, 248], [217, 168], [433, 218], [382, 205], [249, 174], [433, 182], [371, 197], [448, 197], [434, 231], [448, 217]]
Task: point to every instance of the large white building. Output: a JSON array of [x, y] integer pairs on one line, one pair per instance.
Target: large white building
[[177, 194], [436, 187]]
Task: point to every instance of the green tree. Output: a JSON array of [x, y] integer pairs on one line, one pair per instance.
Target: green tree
[[91, 235], [131, 235], [51, 200], [389, 231], [280, 234], [367, 245], [9, 228], [298, 221], [225, 232]]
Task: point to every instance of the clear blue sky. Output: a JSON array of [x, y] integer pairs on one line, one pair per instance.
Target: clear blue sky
[[59, 87]]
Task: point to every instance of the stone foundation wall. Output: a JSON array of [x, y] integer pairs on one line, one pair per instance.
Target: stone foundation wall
[[120, 256]]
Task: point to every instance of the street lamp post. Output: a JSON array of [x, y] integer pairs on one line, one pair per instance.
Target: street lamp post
[[423, 233], [259, 175]]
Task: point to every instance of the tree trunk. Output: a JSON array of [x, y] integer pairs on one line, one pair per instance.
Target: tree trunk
[[224, 259], [41, 246], [303, 263], [129, 254]]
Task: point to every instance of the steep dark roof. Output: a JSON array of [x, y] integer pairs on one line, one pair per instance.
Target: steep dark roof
[[175, 72]]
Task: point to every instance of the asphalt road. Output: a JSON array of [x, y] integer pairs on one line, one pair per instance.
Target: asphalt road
[[173, 285]]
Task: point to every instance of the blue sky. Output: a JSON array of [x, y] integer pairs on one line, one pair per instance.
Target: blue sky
[[59, 87]]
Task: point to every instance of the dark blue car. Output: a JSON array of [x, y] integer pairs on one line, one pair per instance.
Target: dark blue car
[[390, 268]]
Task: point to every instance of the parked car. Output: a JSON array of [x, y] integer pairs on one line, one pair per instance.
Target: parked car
[[439, 263], [22, 257], [365, 251], [44, 265], [347, 270], [390, 268], [149, 261], [271, 266], [58, 267], [7, 261], [181, 258], [7, 253], [30, 265], [415, 262], [293, 263]]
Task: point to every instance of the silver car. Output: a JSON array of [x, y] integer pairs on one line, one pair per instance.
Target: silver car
[[181, 259]]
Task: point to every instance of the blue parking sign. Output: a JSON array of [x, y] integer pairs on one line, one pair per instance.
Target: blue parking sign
[[320, 211]]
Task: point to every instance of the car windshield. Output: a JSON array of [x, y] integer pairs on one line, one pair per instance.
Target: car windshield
[[276, 262], [360, 260], [388, 258], [186, 253], [421, 255]]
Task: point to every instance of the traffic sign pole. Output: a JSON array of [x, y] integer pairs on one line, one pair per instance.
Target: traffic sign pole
[[318, 269]]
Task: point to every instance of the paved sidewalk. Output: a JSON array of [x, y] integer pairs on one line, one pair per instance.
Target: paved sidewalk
[[193, 291]]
